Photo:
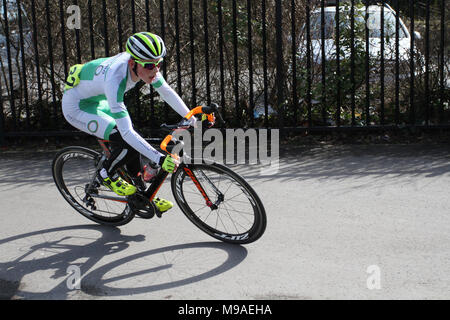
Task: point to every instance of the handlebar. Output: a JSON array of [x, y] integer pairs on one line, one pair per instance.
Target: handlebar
[[206, 110], [165, 142]]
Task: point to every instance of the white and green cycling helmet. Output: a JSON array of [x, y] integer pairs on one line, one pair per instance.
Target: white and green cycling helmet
[[146, 46]]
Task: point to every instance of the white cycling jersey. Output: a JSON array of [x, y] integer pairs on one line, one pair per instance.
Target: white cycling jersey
[[95, 105]]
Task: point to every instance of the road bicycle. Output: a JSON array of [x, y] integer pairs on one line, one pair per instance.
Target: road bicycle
[[213, 197]]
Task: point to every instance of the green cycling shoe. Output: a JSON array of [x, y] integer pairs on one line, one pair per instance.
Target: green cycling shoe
[[162, 205], [119, 186]]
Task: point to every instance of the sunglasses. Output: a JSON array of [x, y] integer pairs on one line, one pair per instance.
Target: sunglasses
[[149, 65]]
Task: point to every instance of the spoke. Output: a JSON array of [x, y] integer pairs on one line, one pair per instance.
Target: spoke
[[192, 192], [241, 213], [238, 211], [197, 203], [219, 218], [229, 216], [239, 194], [207, 216], [200, 209], [231, 184], [240, 201], [77, 173]]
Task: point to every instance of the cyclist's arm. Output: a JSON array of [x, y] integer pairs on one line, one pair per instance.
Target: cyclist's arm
[[114, 92], [169, 95]]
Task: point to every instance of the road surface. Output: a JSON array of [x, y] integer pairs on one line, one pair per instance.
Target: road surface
[[344, 222]]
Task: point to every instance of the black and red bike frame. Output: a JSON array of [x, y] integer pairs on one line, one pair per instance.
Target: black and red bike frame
[[159, 179]]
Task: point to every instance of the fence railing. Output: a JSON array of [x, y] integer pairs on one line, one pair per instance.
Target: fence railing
[[299, 64]]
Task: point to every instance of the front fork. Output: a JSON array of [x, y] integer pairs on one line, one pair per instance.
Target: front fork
[[209, 203]]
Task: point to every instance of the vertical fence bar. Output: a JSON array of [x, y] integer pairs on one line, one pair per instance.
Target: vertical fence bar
[[382, 65], [236, 70], [191, 39], [208, 82], [264, 41], [397, 64], [24, 72], [323, 60], [77, 40], [279, 57], [36, 60], [352, 61], [50, 54], [63, 36], [177, 48], [136, 89], [152, 91], [442, 63], [367, 63], [105, 28], [119, 24], [163, 36], [133, 16], [250, 61], [147, 13], [2, 117], [152, 96], [412, 115], [294, 62], [91, 29], [427, 65], [338, 67], [162, 18], [8, 52], [221, 59], [308, 62]]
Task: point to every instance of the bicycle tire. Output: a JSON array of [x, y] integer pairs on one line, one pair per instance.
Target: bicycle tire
[[250, 234], [60, 159]]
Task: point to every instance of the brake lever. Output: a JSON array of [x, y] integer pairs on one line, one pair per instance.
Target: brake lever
[[214, 108]]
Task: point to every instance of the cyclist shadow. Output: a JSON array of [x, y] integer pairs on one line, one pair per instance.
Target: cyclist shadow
[[53, 251]]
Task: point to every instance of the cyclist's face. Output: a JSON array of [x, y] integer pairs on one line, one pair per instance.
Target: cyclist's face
[[147, 75]]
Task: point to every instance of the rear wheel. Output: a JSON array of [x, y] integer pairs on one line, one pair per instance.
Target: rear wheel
[[235, 214], [74, 168]]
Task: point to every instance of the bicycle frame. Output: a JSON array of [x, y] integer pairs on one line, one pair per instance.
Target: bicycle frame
[[159, 179], [151, 191]]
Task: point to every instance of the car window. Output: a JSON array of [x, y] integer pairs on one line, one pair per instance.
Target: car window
[[374, 24]]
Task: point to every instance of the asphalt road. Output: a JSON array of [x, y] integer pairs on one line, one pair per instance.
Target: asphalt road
[[344, 222]]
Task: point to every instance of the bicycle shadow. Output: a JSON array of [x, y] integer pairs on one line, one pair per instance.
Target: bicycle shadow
[[42, 258]]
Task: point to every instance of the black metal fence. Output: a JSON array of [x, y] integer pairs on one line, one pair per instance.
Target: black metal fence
[[296, 64]]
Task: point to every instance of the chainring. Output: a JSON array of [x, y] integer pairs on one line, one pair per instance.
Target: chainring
[[142, 206]]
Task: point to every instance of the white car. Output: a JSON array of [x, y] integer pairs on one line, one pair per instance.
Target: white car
[[374, 26]]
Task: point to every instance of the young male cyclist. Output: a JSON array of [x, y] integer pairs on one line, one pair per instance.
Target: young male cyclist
[[93, 102]]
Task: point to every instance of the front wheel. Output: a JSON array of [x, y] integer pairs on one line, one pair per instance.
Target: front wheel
[[219, 202]]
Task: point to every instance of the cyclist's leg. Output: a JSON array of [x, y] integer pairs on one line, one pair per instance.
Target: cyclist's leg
[[91, 119], [122, 154], [87, 120]]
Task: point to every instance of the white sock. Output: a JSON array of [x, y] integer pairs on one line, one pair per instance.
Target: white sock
[[104, 173]]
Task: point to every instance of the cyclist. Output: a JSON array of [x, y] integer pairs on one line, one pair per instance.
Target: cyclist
[[93, 102]]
